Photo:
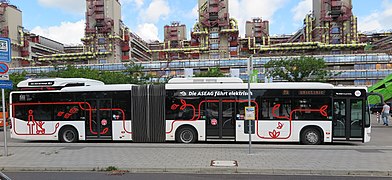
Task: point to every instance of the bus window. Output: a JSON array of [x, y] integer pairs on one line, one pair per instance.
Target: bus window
[[300, 107], [268, 108], [183, 108]]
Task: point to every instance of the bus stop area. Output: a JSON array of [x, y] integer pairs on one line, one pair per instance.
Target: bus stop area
[[370, 159]]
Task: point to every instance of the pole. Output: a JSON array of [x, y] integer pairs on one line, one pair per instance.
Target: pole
[[249, 121], [4, 125]]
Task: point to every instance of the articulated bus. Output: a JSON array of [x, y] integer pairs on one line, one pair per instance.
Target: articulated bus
[[190, 110]]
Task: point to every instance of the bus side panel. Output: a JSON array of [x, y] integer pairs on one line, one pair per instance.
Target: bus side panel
[[280, 131], [45, 130], [120, 132], [172, 126], [266, 131]]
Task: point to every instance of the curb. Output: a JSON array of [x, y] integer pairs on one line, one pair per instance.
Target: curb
[[211, 170]]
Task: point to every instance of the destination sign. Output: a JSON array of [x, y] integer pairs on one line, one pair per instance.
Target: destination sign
[[41, 83]]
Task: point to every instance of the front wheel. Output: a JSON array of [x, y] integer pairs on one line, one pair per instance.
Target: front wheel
[[68, 135], [186, 135], [311, 136]]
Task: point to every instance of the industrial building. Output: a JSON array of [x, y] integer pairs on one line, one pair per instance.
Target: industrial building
[[26, 46], [214, 36], [331, 28], [107, 39]]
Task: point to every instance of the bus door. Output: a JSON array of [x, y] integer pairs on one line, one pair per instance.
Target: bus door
[[348, 120], [220, 119], [99, 121]]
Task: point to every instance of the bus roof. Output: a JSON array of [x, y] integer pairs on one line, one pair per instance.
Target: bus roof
[[56, 83], [286, 85], [204, 80], [112, 87]]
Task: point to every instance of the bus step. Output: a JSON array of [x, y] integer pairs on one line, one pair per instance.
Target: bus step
[[99, 138], [344, 139], [216, 138]]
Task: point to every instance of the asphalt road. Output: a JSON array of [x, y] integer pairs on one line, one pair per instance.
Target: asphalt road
[[117, 176]]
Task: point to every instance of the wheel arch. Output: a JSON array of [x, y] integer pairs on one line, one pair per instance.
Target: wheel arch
[[187, 126], [60, 132], [318, 128]]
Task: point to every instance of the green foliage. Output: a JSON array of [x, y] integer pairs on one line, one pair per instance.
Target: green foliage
[[298, 69], [111, 168], [17, 77], [135, 74], [132, 75], [212, 72]]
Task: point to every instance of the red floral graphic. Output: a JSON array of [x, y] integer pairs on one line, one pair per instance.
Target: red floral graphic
[[274, 134], [183, 102], [280, 125], [60, 113], [174, 106], [322, 110]]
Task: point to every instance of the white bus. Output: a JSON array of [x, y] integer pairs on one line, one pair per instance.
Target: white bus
[[190, 110]]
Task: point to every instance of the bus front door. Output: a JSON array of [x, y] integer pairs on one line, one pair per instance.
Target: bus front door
[[348, 119], [99, 121], [220, 119]]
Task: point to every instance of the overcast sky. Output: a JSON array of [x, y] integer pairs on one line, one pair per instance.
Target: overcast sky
[[63, 20]]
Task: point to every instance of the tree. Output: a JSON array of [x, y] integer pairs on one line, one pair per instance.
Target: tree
[[17, 77], [212, 72], [298, 69], [135, 74]]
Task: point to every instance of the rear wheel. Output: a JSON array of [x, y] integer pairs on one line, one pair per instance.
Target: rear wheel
[[311, 136], [68, 135], [186, 135]]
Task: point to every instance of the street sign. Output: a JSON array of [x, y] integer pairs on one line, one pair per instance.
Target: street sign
[[5, 50], [250, 113], [5, 84], [3, 68], [4, 77]]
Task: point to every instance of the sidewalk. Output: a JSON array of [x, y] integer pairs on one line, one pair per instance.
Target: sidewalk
[[196, 158]]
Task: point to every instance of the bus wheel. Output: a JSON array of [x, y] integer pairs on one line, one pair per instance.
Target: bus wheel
[[186, 135], [311, 136], [68, 135]]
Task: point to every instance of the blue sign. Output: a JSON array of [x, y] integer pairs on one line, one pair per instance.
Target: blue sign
[[4, 84], [5, 50], [3, 68]]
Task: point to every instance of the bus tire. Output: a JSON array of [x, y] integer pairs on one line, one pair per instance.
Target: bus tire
[[311, 136], [68, 134], [186, 135]]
